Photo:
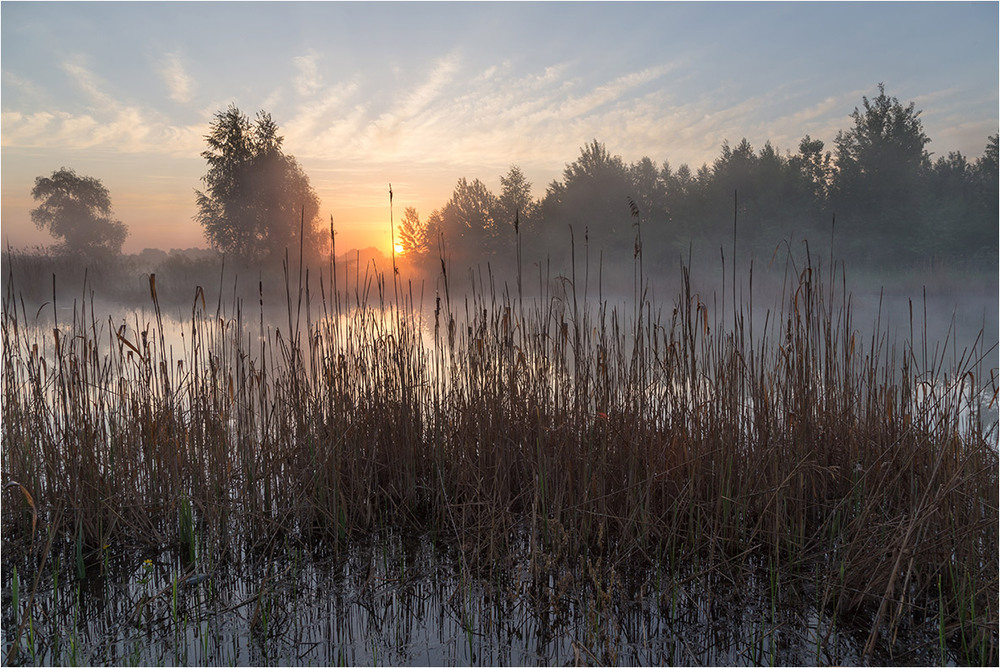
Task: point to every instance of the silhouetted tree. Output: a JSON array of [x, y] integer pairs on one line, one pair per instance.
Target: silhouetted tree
[[413, 237], [892, 205], [881, 162], [814, 167], [680, 192], [468, 219], [985, 175], [649, 191], [593, 196], [986, 186], [962, 204], [514, 203], [435, 229], [732, 172], [77, 209], [256, 198]]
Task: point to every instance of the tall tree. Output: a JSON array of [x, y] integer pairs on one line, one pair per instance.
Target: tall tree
[[986, 179], [468, 218], [985, 173], [814, 167], [77, 209], [649, 189], [881, 163], [514, 203], [256, 197], [413, 237], [592, 196]]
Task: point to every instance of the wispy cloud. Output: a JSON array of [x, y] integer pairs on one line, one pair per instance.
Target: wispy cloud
[[449, 116], [328, 119], [180, 85], [308, 80], [395, 126], [89, 83], [107, 123], [454, 115]]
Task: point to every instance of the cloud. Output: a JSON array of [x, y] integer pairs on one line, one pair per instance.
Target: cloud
[[89, 83], [321, 121], [308, 81], [27, 91], [107, 123], [179, 83], [413, 106], [452, 117], [482, 117], [452, 114]]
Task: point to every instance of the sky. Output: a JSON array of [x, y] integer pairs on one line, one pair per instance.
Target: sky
[[422, 94]]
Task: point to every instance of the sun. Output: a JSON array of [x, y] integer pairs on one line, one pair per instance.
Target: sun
[[399, 249]]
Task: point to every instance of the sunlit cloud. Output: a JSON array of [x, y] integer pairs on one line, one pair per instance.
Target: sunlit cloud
[[395, 127], [28, 92], [488, 116], [179, 84], [328, 118], [89, 83], [107, 124], [19, 128], [308, 80]]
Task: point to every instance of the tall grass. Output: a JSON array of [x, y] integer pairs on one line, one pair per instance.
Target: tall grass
[[834, 464]]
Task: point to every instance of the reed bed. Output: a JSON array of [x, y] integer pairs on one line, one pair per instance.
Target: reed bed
[[790, 453]]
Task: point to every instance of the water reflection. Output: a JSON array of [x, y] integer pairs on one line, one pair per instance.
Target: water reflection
[[407, 601]]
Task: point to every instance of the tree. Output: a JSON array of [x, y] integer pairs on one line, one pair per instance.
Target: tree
[[413, 234], [77, 209], [887, 139], [434, 229], [813, 167], [515, 203], [881, 165], [649, 190], [593, 198], [256, 198], [985, 174], [468, 218]]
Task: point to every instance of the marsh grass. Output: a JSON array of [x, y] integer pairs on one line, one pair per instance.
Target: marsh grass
[[790, 454]]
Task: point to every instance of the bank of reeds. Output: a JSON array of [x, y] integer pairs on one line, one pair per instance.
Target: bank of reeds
[[556, 428]]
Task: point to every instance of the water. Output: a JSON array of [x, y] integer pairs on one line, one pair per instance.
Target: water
[[407, 601], [413, 599]]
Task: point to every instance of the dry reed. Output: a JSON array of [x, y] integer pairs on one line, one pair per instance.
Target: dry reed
[[554, 427]]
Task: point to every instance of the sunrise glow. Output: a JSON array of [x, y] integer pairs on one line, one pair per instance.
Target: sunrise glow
[[422, 95], [500, 333]]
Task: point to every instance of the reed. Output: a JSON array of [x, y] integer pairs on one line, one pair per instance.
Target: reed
[[828, 463]]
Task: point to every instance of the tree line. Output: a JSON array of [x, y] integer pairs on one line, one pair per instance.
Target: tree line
[[878, 193]]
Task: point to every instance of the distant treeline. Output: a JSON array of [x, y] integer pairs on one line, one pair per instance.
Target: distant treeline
[[879, 195]]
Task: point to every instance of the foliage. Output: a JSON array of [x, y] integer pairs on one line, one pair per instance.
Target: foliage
[[256, 198], [881, 165], [593, 194], [468, 217], [77, 209], [515, 204], [887, 140], [413, 236], [885, 201]]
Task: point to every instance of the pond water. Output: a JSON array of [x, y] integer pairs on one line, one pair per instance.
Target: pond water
[[393, 599], [407, 601]]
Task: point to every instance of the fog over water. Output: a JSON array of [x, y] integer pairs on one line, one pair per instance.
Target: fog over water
[[940, 316]]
